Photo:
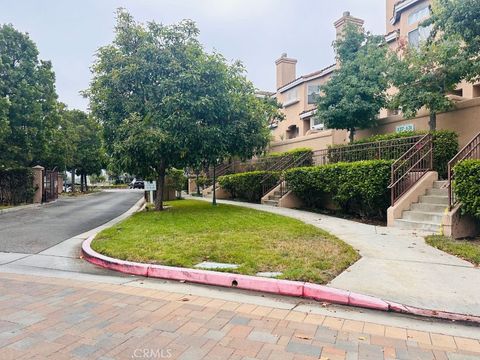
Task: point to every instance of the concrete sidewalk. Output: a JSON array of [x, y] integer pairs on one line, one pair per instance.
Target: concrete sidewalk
[[396, 265]]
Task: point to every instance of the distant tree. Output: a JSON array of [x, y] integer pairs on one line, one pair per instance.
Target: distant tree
[[176, 180], [425, 75], [354, 96], [28, 102], [89, 157]]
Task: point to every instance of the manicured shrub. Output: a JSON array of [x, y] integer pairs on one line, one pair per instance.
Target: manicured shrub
[[16, 186], [467, 186], [248, 185], [358, 188], [445, 147]]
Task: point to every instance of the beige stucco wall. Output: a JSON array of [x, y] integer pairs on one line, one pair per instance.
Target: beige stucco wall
[[464, 120], [317, 141]]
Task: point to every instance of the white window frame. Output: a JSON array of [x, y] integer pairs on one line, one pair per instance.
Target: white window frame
[[291, 97], [319, 126], [419, 14], [313, 92], [423, 34]]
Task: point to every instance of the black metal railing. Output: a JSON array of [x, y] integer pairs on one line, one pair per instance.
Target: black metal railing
[[384, 150], [270, 180], [470, 151], [411, 167]]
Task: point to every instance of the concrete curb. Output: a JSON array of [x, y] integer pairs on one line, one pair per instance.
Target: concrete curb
[[267, 285]]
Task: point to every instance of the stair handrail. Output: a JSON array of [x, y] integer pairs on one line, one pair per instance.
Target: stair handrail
[[288, 163], [417, 160], [469, 151]]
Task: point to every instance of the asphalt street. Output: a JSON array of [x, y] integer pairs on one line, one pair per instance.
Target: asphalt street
[[33, 230]]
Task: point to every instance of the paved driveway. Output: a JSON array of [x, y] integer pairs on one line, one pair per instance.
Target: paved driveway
[[33, 230]]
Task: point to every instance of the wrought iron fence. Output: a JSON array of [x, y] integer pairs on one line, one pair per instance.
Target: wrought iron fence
[[411, 167], [50, 185], [379, 150], [470, 151]]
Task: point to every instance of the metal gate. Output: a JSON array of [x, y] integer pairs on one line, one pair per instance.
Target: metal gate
[[50, 185]]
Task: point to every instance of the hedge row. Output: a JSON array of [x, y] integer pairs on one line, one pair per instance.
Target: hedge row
[[358, 188], [246, 186], [16, 186], [445, 147], [467, 186]]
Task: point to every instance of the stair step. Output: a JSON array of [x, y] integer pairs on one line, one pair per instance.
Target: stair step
[[435, 218], [277, 193], [417, 225], [437, 192], [274, 197], [270, 202], [434, 199], [430, 208], [440, 184]]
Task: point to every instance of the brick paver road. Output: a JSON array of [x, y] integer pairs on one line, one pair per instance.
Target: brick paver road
[[49, 318]]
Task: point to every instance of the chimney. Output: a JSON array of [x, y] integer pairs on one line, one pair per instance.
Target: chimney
[[286, 70], [341, 23]]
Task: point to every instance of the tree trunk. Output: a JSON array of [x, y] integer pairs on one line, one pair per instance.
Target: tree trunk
[[432, 123], [86, 183], [160, 187], [73, 180], [352, 135], [214, 201], [82, 184]]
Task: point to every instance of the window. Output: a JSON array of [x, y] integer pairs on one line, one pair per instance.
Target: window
[[316, 123], [313, 93], [291, 96], [418, 15], [417, 36]]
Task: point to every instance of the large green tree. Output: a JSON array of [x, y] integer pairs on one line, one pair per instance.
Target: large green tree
[[427, 74], [139, 92], [28, 102], [165, 102], [460, 19], [354, 95]]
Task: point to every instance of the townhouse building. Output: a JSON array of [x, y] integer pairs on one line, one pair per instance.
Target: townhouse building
[[298, 94]]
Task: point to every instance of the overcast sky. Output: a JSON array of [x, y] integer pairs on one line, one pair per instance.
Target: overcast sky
[[256, 32]]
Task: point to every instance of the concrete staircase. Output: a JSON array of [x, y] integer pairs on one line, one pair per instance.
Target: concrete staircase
[[427, 214], [273, 199]]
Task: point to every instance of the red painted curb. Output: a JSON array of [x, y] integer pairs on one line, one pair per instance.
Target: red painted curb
[[273, 286]]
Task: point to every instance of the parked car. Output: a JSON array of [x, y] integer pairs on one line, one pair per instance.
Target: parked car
[[137, 184]]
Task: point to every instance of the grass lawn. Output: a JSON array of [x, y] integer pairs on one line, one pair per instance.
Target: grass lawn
[[468, 250], [192, 231], [5, 207]]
